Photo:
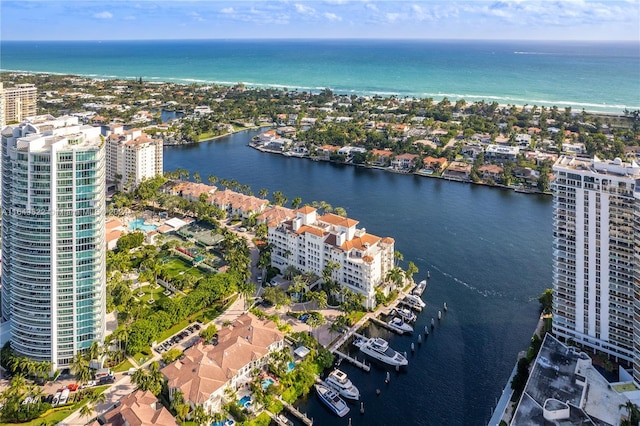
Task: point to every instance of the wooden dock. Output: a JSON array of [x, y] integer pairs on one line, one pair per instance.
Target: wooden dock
[[353, 361], [301, 416], [385, 325]]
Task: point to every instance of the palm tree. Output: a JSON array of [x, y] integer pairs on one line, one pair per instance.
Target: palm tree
[[263, 193], [86, 410], [633, 414], [411, 270], [395, 276], [80, 368], [200, 416], [295, 203], [399, 257], [212, 179], [247, 289]]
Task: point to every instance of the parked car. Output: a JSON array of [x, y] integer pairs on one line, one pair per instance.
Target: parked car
[[303, 317]]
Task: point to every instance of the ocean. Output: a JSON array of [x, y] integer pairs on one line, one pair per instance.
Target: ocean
[[595, 76]]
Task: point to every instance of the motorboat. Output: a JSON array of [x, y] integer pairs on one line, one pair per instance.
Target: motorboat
[[56, 398], [406, 314], [419, 289], [397, 324], [379, 349], [338, 381], [414, 302], [332, 400]]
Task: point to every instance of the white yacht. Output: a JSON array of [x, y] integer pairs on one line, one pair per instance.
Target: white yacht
[[339, 381], [332, 400], [414, 302], [405, 314], [379, 349], [419, 289], [397, 324]]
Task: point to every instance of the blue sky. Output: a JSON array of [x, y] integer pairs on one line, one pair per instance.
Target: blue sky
[[426, 19]]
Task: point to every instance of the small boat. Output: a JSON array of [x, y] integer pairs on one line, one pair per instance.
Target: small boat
[[405, 314], [285, 420], [414, 302], [332, 400], [419, 289], [379, 349], [339, 381], [397, 324]]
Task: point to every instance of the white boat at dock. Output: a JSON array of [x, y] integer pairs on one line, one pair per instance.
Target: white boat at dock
[[338, 381], [419, 289], [332, 400], [379, 349], [398, 324], [414, 302], [405, 314]]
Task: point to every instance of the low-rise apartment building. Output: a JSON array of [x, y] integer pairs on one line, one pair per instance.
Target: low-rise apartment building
[[309, 242]]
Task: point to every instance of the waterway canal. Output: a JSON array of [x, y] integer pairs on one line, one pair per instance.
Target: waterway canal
[[488, 251]]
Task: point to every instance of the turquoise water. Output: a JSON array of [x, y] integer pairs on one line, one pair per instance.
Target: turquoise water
[[266, 383], [244, 401], [290, 366], [140, 225], [602, 76]]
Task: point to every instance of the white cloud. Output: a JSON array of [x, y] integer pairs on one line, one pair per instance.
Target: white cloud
[[227, 10], [305, 10], [332, 16], [392, 17], [196, 16], [103, 15]]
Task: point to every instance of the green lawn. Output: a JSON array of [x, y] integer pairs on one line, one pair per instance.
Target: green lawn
[[177, 266], [625, 387], [123, 366], [150, 293]]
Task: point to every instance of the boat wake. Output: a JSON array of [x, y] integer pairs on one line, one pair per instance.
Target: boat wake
[[483, 293]]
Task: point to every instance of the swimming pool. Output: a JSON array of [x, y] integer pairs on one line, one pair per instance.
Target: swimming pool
[[245, 401], [140, 225], [290, 366], [266, 383]]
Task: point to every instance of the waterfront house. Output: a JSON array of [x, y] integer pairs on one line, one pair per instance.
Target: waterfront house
[[458, 170], [381, 157], [140, 408], [324, 152], [527, 174], [206, 370], [308, 242], [403, 161], [436, 164], [490, 172]]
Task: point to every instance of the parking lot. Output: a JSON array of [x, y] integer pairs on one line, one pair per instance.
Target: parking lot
[[177, 338]]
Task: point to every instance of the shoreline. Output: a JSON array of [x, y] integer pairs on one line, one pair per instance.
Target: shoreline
[[280, 86], [390, 170]]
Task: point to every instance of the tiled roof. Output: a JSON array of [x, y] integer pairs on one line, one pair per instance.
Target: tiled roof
[[206, 368], [360, 243], [139, 409], [334, 219]]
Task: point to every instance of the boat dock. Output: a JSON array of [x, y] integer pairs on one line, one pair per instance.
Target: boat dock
[[301, 416], [385, 325], [353, 361]]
